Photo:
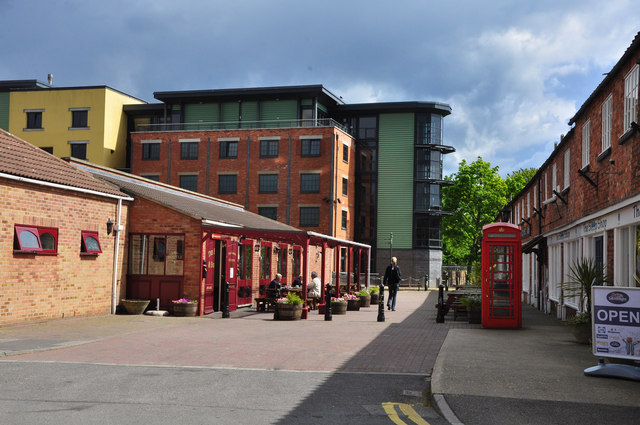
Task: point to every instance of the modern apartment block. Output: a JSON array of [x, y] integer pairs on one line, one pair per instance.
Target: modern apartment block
[[300, 155], [82, 122]]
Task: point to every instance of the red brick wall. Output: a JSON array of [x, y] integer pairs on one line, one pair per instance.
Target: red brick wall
[[249, 172], [39, 287]]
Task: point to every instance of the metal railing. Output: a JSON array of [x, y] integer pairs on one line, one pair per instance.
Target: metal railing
[[241, 125]]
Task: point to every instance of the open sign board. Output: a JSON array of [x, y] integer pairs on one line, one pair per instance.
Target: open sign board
[[616, 322]]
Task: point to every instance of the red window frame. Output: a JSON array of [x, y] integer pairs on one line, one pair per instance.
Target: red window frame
[[38, 232], [83, 246]]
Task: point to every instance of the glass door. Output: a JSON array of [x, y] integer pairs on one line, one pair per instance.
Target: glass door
[[500, 282]]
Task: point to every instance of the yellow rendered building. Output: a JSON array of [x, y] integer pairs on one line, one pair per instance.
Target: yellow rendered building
[[83, 122]]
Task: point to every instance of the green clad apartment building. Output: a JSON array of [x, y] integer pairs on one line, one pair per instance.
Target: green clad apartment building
[[368, 172]]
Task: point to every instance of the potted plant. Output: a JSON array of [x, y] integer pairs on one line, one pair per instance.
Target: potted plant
[[374, 291], [365, 298], [185, 307], [583, 274], [290, 307], [473, 305], [338, 305], [353, 302]]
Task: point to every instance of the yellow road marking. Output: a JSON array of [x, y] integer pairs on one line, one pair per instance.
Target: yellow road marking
[[390, 409]]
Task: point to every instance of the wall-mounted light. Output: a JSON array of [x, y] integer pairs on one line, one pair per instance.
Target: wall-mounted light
[[109, 226], [258, 244], [290, 251], [276, 249]]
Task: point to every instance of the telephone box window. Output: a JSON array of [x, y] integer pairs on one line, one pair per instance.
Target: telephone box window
[[90, 243]]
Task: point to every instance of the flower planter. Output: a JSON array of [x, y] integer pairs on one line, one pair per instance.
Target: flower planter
[[338, 308], [289, 311], [352, 305], [185, 310], [135, 306], [474, 314], [375, 298], [365, 300]]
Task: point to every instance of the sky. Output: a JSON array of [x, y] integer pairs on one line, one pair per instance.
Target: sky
[[513, 71]]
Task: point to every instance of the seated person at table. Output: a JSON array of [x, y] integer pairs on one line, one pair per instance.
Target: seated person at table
[[313, 288], [298, 282], [275, 283]]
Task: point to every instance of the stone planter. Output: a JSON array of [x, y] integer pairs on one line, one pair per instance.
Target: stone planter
[[338, 308], [289, 311], [135, 306], [185, 310], [375, 298], [365, 300], [474, 313], [352, 305], [582, 332]]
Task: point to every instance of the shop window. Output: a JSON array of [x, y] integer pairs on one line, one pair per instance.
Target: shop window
[[35, 240], [90, 243], [159, 249]]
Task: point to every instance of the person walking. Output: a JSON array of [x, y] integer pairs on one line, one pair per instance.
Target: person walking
[[392, 277]]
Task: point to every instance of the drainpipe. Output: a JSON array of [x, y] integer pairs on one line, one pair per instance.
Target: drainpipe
[[333, 165], [116, 255]]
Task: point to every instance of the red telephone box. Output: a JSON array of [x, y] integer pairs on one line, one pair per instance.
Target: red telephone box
[[501, 276]]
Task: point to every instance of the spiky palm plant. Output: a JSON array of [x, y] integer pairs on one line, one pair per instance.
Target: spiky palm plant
[[584, 274]]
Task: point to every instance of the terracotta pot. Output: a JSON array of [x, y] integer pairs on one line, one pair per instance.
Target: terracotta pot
[[135, 306], [185, 310], [289, 311], [365, 300], [338, 308]]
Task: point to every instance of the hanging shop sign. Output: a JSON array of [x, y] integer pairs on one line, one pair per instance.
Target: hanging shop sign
[[616, 322]]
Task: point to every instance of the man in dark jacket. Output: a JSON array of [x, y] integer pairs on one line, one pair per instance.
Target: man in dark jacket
[[392, 278]]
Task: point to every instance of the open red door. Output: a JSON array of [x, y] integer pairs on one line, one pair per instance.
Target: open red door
[[231, 273]]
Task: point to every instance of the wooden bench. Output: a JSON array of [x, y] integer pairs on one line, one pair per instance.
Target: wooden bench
[[458, 309], [265, 304]]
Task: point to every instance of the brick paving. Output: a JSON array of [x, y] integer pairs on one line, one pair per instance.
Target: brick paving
[[406, 343]]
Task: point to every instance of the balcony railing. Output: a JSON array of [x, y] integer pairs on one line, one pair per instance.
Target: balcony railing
[[241, 125]]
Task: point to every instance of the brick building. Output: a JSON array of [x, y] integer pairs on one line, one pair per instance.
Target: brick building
[[300, 155], [173, 232], [56, 249], [584, 201]]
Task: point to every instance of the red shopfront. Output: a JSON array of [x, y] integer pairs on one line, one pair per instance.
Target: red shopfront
[[501, 276]]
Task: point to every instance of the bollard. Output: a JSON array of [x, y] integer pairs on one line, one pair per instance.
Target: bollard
[[225, 308], [327, 303], [381, 304], [440, 317], [426, 282]]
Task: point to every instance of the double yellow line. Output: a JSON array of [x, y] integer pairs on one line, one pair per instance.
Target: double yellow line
[[390, 409]]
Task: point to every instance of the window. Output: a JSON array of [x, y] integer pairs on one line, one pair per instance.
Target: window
[[150, 151], [79, 118], [189, 182], [35, 240], [554, 178], [427, 233], [310, 147], [154, 177], [309, 216], [345, 153], [34, 119], [631, 97], [606, 123], [344, 220], [48, 149], [268, 148], [228, 149], [310, 183], [188, 150], [345, 186], [159, 248], [269, 212], [585, 144], [268, 183], [567, 167], [90, 243], [79, 150], [227, 183]]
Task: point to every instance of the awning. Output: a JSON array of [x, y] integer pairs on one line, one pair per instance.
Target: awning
[[528, 247]]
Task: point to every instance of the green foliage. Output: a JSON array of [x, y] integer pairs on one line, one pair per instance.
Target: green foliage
[[471, 301], [476, 197], [293, 299], [584, 274], [374, 290], [517, 180], [579, 319], [363, 293]]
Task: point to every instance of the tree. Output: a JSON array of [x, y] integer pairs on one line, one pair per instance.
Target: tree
[[517, 180], [476, 197]]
